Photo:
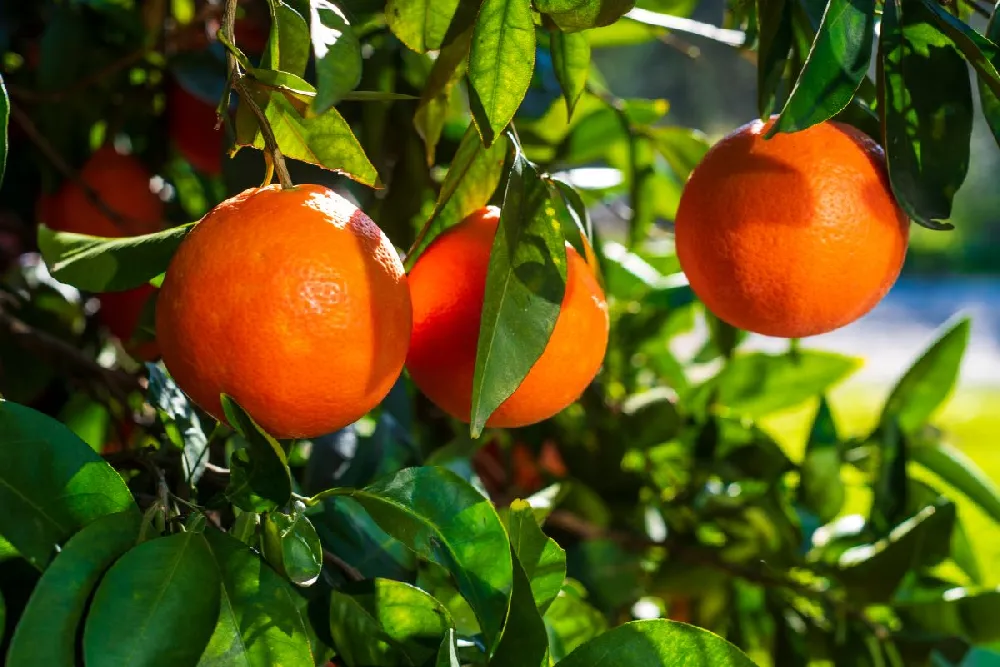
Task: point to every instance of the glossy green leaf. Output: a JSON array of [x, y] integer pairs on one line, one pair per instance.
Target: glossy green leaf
[[501, 62], [421, 24], [98, 264], [325, 140], [338, 54], [571, 61], [543, 560], [435, 100], [524, 642], [958, 612], [979, 51], [571, 621], [259, 621], [164, 395], [288, 44], [774, 43], [757, 383], [657, 643], [293, 547], [4, 120], [349, 532], [471, 180], [821, 488], [573, 15], [525, 285], [443, 519], [46, 632], [384, 623], [834, 68], [926, 110], [988, 100], [168, 591], [51, 483], [929, 381], [259, 478], [961, 472]]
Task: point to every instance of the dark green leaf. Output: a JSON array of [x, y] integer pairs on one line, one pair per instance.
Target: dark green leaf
[[958, 612], [448, 652], [572, 621], [350, 533], [525, 642], [325, 140], [500, 64], [890, 488], [167, 590], [338, 54], [926, 110], [961, 472], [583, 238], [51, 483], [834, 68], [446, 521], [46, 632], [259, 479], [978, 50], [384, 623], [471, 180], [96, 264], [292, 546], [259, 621], [4, 120], [288, 44], [571, 61], [657, 643], [929, 381], [164, 395], [574, 15], [757, 383], [821, 488], [543, 560], [524, 291], [774, 44], [421, 24], [990, 101], [435, 100]]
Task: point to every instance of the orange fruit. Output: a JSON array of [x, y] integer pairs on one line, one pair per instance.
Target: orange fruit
[[191, 124], [791, 236], [293, 302], [448, 285]]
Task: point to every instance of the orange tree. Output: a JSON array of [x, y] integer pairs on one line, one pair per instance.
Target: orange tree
[[639, 514]]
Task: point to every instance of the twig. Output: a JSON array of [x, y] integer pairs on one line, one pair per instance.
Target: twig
[[352, 573], [270, 143]]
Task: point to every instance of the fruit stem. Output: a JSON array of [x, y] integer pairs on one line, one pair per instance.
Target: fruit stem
[[240, 86]]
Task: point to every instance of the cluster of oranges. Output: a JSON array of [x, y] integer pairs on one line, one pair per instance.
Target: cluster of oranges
[[296, 304]]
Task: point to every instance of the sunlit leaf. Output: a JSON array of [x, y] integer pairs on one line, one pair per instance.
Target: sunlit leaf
[[338, 54]]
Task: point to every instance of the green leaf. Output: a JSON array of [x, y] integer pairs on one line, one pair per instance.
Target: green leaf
[[384, 623], [447, 654], [421, 24], [325, 140], [958, 612], [571, 621], [961, 472], [288, 45], [292, 546], [164, 395], [500, 64], [774, 44], [978, 50], [525, 286], [435, 100], [574, 15], [657, 643], [929, 381], [821, 488], [524, 642], [349, 532], [259, 621], [990, 101], [471, 180], [682, 148], [167, 590], [926, 110], [96, 264], [543, 560], [51, 483], [571, 61], [338, 54], [443, 519], [46, 632], [834, 68], [259, 478], [4, 120], [757, 383]]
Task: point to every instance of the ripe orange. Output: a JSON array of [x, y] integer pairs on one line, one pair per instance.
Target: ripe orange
[[123, 184], [791, 236], [191, 124], [293, 302], [448, 285]]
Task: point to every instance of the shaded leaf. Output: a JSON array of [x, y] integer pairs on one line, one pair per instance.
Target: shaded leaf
[[164, 395], [571, 61], [97, 264], [51, 483], [292, 546], [259, 478], [501, 61], [774, 43], [421, 24], [988, 100], [448, 69], [349, 532], [338, 54], [543, 560], [448, 652], [978, 50], [524, 642], [168, 590], [525, 286], [46, 632], [821, 488]]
